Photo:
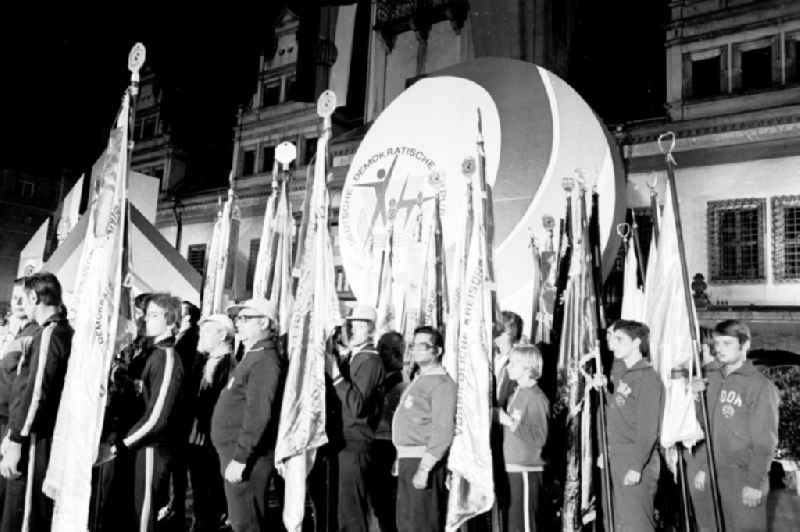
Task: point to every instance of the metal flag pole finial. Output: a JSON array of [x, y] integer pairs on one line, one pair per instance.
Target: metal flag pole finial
[[667, 151], [136, 58]]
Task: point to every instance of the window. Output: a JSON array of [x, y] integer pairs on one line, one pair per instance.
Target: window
[[290, 88], [27, 189], [736, 240], [786, 238], [248, 162], [792, 47], [271, 93], [251, 264], [197, 257], [756, 68], [706, 77], [148, 130], [310, 149], [267, 158]]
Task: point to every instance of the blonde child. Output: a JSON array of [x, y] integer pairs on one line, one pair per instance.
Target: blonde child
[[524, 421]]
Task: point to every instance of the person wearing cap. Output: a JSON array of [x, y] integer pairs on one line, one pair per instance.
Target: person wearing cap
[[357, 379], [208, 376], [244, 424]]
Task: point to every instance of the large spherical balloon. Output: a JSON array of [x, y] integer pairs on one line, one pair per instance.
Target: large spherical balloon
[[537, 130]]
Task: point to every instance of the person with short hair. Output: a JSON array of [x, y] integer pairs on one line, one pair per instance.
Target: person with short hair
[[357, 379], [634, 410], [391, 348], [206, 381], [186, 349], [743, 414], [525, 426], [24, 329], [510, 335], [35, 397], [244, 424], [422, 431], [158, 375]]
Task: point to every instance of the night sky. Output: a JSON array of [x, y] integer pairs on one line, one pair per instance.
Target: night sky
[[63, 76]]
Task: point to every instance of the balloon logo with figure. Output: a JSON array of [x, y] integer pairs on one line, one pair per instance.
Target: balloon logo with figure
[[536, 129]]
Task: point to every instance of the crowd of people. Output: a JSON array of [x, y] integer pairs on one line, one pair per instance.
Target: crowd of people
[[199, 398]]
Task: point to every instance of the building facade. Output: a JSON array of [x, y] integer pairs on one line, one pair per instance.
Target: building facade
[[155, 153], [403, 40], [733, 91]]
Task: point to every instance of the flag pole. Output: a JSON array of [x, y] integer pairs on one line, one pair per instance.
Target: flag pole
[[439, 262], [637, 246], [670, 164], [594, 240]]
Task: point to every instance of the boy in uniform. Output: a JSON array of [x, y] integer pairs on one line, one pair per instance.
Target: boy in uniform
[[743, 414]]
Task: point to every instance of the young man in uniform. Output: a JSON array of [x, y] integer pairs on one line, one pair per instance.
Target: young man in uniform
[[35, 398], [158, 375], [24, 331], [357, 381], [743, 414], [244, 425], [634, 411]]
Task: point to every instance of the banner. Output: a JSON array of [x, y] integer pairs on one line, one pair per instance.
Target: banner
[[633, 304], [301, 430], [266, 257], [671, 339], [579, 347], [470, 461], [221, 252], [279, 288], [31, 257], [96, 305]]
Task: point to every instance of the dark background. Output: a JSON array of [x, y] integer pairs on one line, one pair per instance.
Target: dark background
[[62, 75]]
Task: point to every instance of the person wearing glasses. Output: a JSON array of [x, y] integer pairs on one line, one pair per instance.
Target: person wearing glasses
[[244, 424], [422, 431], [357, 379]]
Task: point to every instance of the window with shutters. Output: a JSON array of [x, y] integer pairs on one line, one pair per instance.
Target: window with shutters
[[197, 257], [251, 264], [786, 238], [736, 232]]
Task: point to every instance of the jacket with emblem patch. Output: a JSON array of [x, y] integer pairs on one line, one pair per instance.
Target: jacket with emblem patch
[[9, 364], [425, 416], [634, 411], [743, 413], [244, 424]]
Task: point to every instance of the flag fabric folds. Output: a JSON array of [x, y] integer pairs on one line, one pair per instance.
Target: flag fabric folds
[[266, 258], [670, 337], [579, 346], [279, 289], [97, 306], [633, 303], [470, 460], [217, 269], [387, 319], [316, 312]]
